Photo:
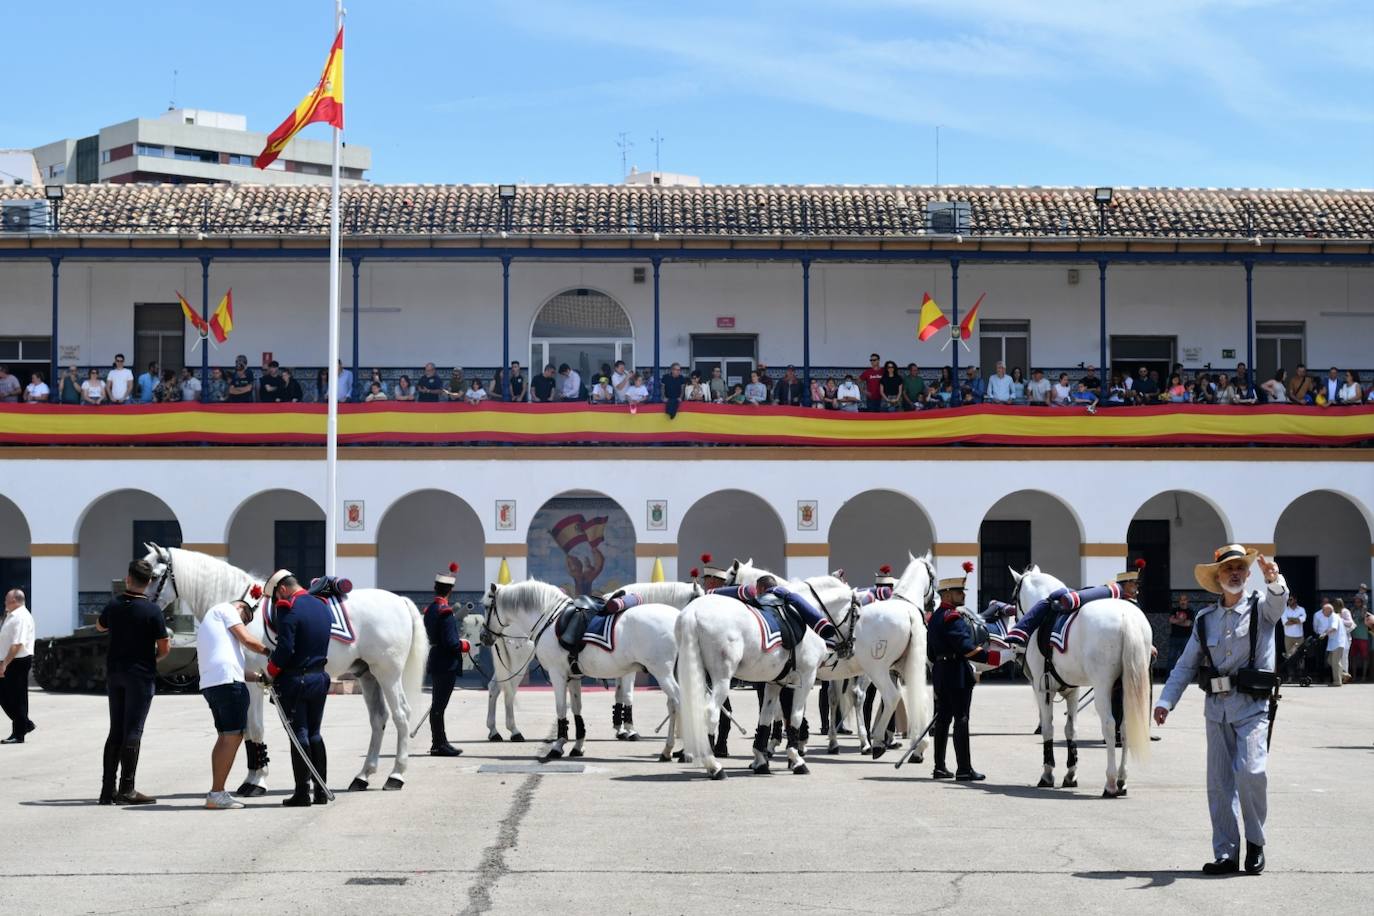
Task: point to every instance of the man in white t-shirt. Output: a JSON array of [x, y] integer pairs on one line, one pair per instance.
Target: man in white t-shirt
[[1294, 616], [620, 380], [1038, 388], [16, 659], [37, 392], [120, 382], [848, 395], [220, 641]]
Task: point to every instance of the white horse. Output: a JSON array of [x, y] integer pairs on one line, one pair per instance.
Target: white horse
[[643, 640], [388, 654], [1109, 640], [719, 638]]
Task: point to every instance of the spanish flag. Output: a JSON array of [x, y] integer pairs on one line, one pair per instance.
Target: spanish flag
[[966, 326], [932, 319], [222, 322], [324, 103], [193, 316]]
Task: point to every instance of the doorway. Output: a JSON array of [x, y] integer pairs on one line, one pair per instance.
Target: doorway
[[299, 547], [735, 355], [1129, 353], [1002, 547], [1301, 575], [584, 328], [1148, 540], [159, 334]]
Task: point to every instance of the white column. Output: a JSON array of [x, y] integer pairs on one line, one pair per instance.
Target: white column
[[1099, 571], [361, 571], [53, 598], [806, 567]]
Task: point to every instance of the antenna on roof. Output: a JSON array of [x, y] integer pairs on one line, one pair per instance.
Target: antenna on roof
[[937, 155], [172, 104], [658, 148], [625, 144]]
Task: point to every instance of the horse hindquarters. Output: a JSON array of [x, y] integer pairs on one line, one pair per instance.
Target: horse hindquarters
[[695, 706]]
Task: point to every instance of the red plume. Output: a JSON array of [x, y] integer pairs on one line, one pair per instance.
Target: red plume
[[256, 592], [694, 572], [453, 567], [705, 559], [885, 570], [968, 566], [1140, 563]]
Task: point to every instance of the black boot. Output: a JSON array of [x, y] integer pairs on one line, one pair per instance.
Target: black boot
[[301, 797], [111, 769], [128, 770], [439, 746], [963, 755], [1222, 866], [940, 739], [1254, 859], [321, 762]]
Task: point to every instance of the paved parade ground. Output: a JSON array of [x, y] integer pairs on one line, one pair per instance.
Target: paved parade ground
[[488, 832]]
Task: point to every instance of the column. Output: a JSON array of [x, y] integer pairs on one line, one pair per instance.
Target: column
[[356, 563], [654, 388], [806, 330], [54, 380], [1106, 375], [53, 601], [1250, 324], [505, 329], [205, 343], [954, 323], [357, 379]]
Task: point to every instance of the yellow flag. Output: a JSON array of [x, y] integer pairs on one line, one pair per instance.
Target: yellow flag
[[503, 574], [657, 574]]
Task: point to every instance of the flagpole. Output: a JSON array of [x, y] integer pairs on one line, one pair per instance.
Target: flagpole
[[331, 486]]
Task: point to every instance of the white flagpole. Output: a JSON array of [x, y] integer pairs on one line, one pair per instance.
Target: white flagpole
[[331, 486]]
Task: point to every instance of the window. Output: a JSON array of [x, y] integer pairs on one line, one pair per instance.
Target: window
[[239, 159], [26, 354], [195, 155], [148, 149], [1278, 345], [159, 334], [584, 328], [1128, 354], [299, 547], [1004, 341], [106, 156], [733, 354], [58, 170]]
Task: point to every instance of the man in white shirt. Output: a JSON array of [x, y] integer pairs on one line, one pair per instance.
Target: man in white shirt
[[569, 383], [16, 658], [620, 380], [1294, 616], [220, 641], [848, 395], [119, 383], [1336, 628], [37, 392], [999, 386], [1038, 388], [190, 386]]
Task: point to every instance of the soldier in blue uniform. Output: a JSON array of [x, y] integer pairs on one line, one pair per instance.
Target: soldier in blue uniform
[[296, 667], [768, 585], [446, 650], [1231, 655], [950, 646]]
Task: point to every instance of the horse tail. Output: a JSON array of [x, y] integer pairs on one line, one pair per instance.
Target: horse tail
[[413, 674], [915, 690], [691, 675], [1135, 685]]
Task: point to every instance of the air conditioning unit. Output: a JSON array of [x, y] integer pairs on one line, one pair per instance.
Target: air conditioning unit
[[948, 217], [24, 216]]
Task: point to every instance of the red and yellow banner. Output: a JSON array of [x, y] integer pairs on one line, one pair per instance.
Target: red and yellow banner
[[932, 319], [324, 103], [222, 322], [193, 316], [551, 424]]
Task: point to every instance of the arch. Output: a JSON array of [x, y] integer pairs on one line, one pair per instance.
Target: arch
[[1323, 537], [729, 524], [1027, 526], [111, 532], [16, 570], [420, 534], [257, 542], [583, 327], [582, 541], [878, 527], [1173, 531]]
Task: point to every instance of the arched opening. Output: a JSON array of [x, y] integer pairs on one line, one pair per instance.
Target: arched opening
[[419, 536], [112, 532], [731, 524], [582, 541], [584, 328], [1322, 545], [278, 529], [1028, 526], [878, 527], [15, 568], [1172, 532]]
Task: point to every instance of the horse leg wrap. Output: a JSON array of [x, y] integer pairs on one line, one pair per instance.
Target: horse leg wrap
[[777, 731], [580, 728], [805, 732], [791, 737], [617, 715], [562, 729], [1048, 747], [761, 739], [629, 717], [257, 754], [1073, 754]]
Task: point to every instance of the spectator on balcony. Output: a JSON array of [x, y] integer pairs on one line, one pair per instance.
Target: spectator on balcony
[[271, 385], [696, 390], [167, 390], [517, 382], [890, 387], [620, 381], [1243, 384], [569, 383], [1300, 386], [1276, 389], [717, 386], [1242, 393], [764, 377], [1177, 392], [70, 390], [1038, 389], [602, 391], [913, 388], [944, 393], [1117, 395], [636, 392], [1083, 396], [93, 390], [872, 381], [848, 396], [974, 389], [457, 386], [788, 391], [1201, 391], [190, 386], [1225, 391], [404, 390], [219, 387], [999, 386], [830, 395], [147, 383], [37, 391], [476, 393], [1351, 392], [291, 390], [756, 392], [119, 383], [374, 393], [1146, 387], [817, 393], [345, 380], [241, 382], [736, 395], [543, 388], [429, 388], [1061, 395], [376, 376], [1018, 386], [672, 386], [9, 386], [1091, 381]]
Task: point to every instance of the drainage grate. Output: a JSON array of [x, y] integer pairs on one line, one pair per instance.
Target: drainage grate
[[376, 880], [531, 768]]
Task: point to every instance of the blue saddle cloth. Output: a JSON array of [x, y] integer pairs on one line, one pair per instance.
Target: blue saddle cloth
[[600, 632], [1059, 630]]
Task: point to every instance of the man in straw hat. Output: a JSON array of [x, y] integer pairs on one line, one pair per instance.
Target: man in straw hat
[[296, 667], [1231, 652], [446, 650]]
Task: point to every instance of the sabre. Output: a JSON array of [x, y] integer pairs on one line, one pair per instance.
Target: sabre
[[1087, 698], [909, 754], [296, 742], [425, 716]]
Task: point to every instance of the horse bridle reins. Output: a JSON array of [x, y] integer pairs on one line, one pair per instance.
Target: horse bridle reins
[[168, 575], [540, 626]]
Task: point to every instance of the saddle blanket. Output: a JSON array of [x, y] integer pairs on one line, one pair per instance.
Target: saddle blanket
[[1059, 632], [600, 632], [770, 627], [340, 625]]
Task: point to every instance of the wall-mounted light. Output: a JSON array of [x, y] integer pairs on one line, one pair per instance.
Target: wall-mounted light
[[505, 191]]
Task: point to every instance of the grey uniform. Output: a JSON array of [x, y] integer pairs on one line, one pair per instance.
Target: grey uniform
[[1237, 723]]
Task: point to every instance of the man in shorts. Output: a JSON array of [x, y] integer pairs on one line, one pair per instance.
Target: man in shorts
[[220, 641]]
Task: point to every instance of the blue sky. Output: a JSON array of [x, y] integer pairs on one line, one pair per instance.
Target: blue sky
[[1203, 93]]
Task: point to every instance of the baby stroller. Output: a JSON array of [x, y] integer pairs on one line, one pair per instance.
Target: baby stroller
[[1296, 664]]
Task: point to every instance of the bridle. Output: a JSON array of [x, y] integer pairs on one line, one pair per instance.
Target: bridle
[[491, 636], [168, 575]]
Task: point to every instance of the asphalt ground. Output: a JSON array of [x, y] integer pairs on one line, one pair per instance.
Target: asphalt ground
[[492, 831]]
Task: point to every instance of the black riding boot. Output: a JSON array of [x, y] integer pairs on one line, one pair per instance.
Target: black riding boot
[[618, 716], [301, 797], [128, 770], [111, 770], [963, 754], [722, 745], [438, 731], [825, 707], [940, 740], [321, 762]]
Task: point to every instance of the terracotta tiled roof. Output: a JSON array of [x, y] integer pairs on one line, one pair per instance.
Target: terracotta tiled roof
[[765, 211]]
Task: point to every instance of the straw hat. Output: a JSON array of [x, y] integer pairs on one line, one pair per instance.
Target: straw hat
[[1131, 575], [1208, 574], [270, 588], [955, 581]]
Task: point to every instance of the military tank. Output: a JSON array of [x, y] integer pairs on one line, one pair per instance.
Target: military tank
[[76, 663]]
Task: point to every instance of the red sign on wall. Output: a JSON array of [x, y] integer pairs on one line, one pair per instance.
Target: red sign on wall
[[725, 321]]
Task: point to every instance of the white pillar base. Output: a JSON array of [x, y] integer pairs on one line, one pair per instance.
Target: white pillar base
[[53, 600], [806, 567]]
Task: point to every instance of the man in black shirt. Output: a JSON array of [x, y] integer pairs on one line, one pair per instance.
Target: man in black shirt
[[241, 382], [138, 640], [429, 387], [1091, 381], [673, 383], [788, 391], [542, 386], [272, 387], [517, 382]]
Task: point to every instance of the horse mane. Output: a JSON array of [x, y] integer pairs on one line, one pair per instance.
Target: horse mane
[[529, 595], [674, 593], [204, 581], [906, 584]]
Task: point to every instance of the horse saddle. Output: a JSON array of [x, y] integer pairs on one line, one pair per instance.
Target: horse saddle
[[1055, 632], [781, 622], [573, 623]]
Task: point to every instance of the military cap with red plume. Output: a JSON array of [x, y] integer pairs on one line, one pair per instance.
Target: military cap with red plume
[[448, 578], [694, 572], [709, 570], [884, 577], [1132, 575], [955, 581]]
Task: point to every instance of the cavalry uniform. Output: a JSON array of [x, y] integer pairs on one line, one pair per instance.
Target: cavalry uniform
[[296, 666], [817, 621], [446, 649], [951, 646], [1231, 654], [1057, 602], [1129, 583]]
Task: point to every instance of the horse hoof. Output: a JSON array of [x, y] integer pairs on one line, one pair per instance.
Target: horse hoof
[[516, 736], [357, 785], [495, 736], [877, 751], [632, 736], [718, 774], [801, 752], [919, 758], [1046, 782], [1106, 794], [680, 756], [393, 784], [1121, 792], [760, 769], [251, 790], [620, 736], [575, 753], [833, 750], [800, 770], [1069, 783]]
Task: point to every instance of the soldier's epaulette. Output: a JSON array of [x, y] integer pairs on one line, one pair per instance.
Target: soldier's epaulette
[[951, 615], [446, 609]]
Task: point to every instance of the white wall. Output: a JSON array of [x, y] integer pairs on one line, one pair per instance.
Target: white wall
[[106, 538], [1327, 526], [421, 535], [728, 525], [1055, 537], [1195, 531], [252, 537], [875, 528]]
